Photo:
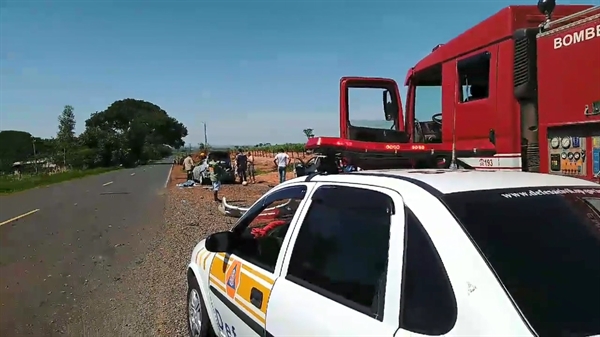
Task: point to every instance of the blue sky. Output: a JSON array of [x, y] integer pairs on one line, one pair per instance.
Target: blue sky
[[254, 71]]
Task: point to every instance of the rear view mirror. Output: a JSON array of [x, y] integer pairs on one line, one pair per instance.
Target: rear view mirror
[[390, 108], [220, 242]]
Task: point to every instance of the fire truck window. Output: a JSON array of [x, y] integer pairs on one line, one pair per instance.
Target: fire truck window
[[365, 108], [474, 77], [428, 92], [428, 101]]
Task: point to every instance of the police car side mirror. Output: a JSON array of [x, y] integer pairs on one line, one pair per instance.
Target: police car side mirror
[[220, 242]]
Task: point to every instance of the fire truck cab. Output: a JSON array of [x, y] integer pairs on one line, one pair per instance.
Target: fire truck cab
[[519, 91]]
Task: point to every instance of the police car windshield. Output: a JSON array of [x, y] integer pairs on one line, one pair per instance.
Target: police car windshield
[[544, 245]]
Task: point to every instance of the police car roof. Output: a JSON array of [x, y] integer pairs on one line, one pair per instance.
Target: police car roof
[[453, 181]]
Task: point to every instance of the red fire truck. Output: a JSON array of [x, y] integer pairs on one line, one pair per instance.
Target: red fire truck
[[519, 91]]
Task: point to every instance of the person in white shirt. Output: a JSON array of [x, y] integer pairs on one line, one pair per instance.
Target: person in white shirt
[[188, 166], [281, 160]]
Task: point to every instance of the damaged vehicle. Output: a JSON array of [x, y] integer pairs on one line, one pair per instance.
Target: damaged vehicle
[[223, 158]]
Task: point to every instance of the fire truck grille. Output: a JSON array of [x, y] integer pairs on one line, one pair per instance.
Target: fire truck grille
[[521, 62]]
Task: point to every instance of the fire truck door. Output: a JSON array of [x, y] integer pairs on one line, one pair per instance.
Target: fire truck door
[[475, 97]]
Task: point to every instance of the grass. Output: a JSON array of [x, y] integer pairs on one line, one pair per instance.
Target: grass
[[11, 184]]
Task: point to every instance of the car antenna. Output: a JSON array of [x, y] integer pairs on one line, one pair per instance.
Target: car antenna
[[453, 165]]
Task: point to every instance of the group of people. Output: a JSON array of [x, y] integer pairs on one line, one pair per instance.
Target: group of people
[[244, 167], [216, 172]]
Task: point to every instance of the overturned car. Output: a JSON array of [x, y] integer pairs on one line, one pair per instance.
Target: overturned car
[[201, 173]]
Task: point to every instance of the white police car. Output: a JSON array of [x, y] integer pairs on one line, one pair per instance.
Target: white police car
[[406, 253]]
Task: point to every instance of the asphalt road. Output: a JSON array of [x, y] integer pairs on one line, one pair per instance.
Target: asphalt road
[[60, 266]]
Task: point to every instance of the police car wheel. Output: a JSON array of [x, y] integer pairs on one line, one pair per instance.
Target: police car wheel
[[198, 320]]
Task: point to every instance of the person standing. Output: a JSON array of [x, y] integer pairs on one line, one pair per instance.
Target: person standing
[[281, 160], [188, 166], [241, 164], [251, 169], [216, 173]]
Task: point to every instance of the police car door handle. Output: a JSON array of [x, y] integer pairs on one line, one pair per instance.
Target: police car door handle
[[256, 297]]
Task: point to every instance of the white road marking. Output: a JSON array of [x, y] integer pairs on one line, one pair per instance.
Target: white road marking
[[108, 183], [18, 217], [169, 176]]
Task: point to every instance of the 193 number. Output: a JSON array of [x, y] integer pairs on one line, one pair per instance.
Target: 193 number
[[486, 162], [227, 329]]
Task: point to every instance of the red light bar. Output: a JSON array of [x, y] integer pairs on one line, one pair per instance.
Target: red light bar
[[358, 146]]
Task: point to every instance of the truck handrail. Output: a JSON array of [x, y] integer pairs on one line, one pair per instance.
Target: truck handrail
[[548, 25]]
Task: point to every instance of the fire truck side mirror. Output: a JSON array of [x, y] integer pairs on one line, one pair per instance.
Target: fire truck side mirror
[[390, 108], [546, 7]]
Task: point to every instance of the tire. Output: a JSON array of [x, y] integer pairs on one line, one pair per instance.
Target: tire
[[195, 303]]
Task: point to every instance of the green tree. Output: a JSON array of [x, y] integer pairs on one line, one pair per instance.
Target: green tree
[[65, 137], [14, 146], [308, 133], [66, 127], [130, 131]]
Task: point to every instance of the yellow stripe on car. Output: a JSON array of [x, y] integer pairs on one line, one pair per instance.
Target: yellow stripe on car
[[249, 278]]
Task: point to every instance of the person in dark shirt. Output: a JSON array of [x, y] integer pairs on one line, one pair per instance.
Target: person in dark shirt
[[241, 163]]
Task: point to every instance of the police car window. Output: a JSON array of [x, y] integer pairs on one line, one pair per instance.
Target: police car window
[[544, 245], [266, 225], [341, 251], [423, 275]]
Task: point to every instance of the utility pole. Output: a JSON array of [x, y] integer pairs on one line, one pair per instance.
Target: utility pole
[[205, 137]]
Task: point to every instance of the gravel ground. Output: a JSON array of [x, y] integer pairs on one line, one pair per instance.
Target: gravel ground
[[190, 215]]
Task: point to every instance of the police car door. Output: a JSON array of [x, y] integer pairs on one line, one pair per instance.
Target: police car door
[[338, 277], [241, 282]]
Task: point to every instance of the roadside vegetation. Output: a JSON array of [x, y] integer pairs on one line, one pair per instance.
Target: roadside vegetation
[[128, 133], [11, 184]]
